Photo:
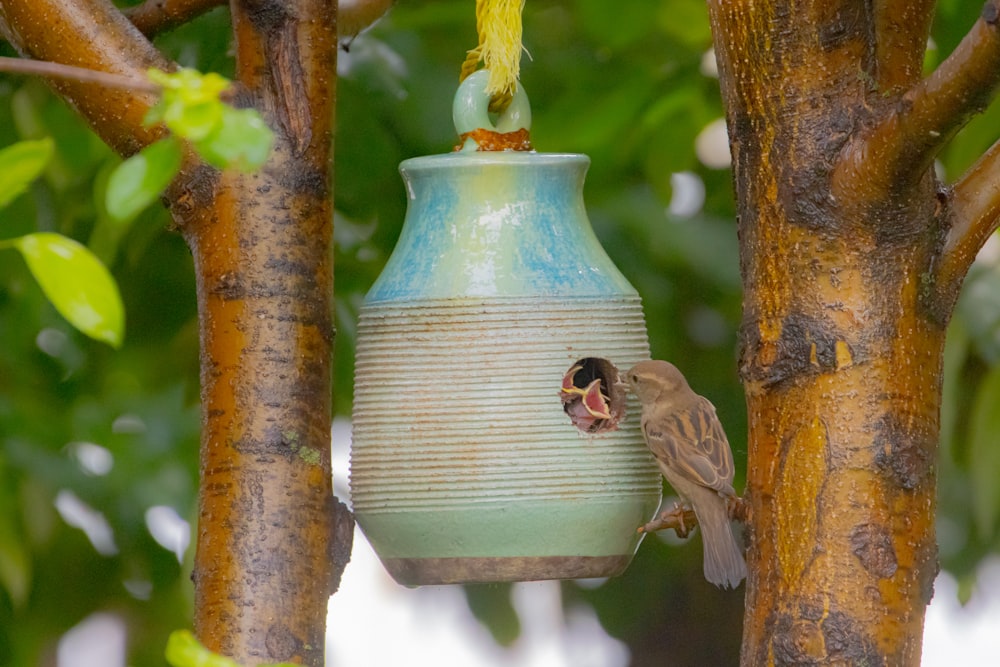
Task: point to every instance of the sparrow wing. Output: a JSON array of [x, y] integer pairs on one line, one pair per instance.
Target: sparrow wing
[[693, 444]]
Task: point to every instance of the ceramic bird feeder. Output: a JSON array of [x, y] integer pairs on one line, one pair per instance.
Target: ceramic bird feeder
[[483, 449]]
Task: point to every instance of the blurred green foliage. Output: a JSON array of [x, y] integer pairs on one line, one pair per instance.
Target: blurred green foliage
[[621, 82], [76, 283]]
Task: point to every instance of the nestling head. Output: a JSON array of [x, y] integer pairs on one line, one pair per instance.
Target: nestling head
[[651, 379]]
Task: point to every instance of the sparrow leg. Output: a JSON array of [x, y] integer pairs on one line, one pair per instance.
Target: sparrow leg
[[680, 518], [738, 509]]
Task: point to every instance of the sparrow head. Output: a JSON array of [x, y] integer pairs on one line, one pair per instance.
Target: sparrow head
[[652, 379]]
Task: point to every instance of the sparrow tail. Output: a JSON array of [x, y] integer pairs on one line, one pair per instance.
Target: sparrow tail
[[724, 564]]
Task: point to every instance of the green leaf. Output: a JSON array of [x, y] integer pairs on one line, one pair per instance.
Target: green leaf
[[188, 85], [138, 181], [242, 141], [15, 558], [190, 107], [194, 121], [183, 650], [223, 136], [76, 283], [22, 163], [984, 454]]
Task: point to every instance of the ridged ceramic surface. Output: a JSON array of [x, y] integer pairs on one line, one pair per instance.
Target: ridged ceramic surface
[[461, 448]]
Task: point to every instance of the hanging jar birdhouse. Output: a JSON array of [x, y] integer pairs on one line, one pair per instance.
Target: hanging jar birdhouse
[[492, 440]]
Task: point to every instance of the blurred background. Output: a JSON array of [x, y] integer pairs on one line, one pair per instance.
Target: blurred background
[[98, 449]]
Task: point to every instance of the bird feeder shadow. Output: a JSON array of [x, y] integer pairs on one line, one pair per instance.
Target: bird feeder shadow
[[593, 395]]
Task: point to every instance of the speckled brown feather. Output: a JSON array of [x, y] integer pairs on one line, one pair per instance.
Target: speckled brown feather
[[685, 435]]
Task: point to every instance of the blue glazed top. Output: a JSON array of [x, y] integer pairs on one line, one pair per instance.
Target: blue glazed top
[[495, 224]]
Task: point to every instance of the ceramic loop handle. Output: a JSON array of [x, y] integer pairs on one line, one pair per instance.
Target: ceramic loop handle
[[470, 111]]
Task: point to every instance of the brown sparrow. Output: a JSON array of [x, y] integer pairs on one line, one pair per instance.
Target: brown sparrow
[[685, 436]]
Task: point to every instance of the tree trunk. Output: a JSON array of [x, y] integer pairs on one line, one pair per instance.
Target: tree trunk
[[850, 270], [272, 540], [262, 254]]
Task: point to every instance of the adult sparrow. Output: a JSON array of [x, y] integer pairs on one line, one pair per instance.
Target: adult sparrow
[[685, 436]]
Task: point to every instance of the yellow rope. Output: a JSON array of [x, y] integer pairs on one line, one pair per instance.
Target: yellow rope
[[498, 23]]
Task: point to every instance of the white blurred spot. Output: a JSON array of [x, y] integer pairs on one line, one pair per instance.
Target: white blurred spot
[[966, 636], [688, 194], [96, 641], [990, 252], [92, 459], [140, 589], [551, 637], [591, 584], [432, 625], [712, 145], [588, 643], [128, 423], [340, 457], [52, 342], [80, 515], [365, 51], [709, 64], [169, 530]]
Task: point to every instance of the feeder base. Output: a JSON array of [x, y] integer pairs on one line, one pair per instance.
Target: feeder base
[[425, 571]]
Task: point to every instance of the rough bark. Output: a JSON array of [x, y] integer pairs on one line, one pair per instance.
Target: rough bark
[[272, 539], [851, 262], [261, 245]]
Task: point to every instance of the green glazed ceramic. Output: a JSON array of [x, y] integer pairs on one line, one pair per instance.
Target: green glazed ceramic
[[464, 466]]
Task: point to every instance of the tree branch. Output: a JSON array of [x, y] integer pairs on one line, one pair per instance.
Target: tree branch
[[974, 215], [155, 16], [901, 148], [902, 27], [94, 35], [271, 541]]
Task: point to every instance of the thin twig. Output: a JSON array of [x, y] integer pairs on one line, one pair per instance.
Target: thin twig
[[53, 70]]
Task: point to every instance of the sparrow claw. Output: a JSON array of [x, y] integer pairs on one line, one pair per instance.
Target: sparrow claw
[[681, 518], [738, 509], [683, 530]]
